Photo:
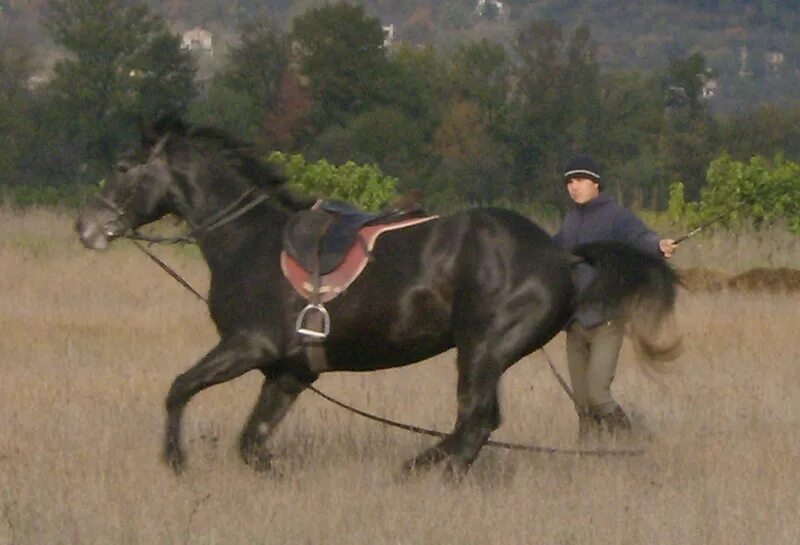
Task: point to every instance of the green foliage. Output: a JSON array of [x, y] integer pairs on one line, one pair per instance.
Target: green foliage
[[340, 50], [228, 109], [479, 73], [16, 127], [383, 136], [556, 102], [247, 89], [123, 65], [26, 196], [762, 192], [362, 185]]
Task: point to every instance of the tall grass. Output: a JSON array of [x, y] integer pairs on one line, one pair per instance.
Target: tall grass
[[91, 342]]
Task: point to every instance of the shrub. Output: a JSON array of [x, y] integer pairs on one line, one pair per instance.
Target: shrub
[[362, 185]]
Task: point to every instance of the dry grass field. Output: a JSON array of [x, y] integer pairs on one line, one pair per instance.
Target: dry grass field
[[90, 342]]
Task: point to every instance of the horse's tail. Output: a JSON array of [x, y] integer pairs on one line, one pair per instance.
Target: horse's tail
[[641, 288]]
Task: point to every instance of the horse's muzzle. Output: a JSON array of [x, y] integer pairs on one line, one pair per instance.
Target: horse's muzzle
[[92, 235], [97, 227]]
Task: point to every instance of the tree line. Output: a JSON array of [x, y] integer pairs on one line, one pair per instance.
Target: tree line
[[475, 123]]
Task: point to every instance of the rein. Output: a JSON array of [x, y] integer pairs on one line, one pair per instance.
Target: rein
[[409, 427], [223, 217]]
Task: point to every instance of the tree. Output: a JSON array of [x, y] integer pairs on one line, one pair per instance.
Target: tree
[[288, 122], [123, 65], [248, 90], [556, 101], [16, 129], [473, 165], [256, 65], [340, 50], [689, 135], [629, 123], [385, 136], [479, 73]]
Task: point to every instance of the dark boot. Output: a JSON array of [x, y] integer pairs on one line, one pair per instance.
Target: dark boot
[[588, 426], [616, 421]]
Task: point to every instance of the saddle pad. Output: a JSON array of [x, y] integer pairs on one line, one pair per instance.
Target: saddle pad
[[336, 281]]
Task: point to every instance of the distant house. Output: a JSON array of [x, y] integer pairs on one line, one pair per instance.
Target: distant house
[[744, 65], [501, 9], [198, 39], [388, 35], [773, 59], [710, 88]]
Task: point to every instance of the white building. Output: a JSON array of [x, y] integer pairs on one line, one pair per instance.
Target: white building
[[388, 35], [198, 39], [501, 9]]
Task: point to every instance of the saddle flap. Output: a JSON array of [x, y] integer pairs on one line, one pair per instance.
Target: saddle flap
[[350, 266]]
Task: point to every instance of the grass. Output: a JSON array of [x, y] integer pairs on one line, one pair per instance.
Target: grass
[[91, 342]]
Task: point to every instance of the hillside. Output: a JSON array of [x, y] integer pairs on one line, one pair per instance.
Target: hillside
[[751, 46]]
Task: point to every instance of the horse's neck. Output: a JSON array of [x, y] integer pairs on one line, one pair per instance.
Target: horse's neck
[[264, 223]]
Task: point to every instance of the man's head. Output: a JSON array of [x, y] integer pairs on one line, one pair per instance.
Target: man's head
[[582, 179]]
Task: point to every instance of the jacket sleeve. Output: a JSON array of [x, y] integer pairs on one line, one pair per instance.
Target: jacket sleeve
[[630, 229]]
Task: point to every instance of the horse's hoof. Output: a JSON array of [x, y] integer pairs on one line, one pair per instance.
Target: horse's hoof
[[454, 473], [258, 459], [408, 469], [175, 460]]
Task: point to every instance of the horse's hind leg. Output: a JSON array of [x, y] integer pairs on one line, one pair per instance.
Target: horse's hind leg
[[478, 414], [276, 398], [231, 358]]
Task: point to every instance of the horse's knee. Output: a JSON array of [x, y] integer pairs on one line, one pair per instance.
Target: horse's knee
[[178, 394]]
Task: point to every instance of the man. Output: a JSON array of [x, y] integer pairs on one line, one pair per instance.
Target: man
[[594, 338]]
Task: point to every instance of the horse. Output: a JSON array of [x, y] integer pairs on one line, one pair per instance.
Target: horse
[[486, 281]]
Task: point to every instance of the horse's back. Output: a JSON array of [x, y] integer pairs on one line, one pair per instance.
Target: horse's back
[[428, 284]]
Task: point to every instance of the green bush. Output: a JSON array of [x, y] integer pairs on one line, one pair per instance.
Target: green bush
[[760, 192], [362, 185], [68, 196]]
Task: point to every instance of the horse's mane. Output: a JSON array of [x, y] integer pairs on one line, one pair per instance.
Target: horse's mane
[[239, 156]]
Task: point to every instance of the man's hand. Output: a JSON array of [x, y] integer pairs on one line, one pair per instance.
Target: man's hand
[[667, 247]]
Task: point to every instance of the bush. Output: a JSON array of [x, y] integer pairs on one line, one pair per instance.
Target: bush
[[362, 185], [760, 192], [69, 196]]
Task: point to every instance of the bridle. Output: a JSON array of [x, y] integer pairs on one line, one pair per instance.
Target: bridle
[[249, 199]]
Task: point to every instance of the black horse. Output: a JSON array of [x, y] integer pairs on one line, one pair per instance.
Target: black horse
[[486, 281]]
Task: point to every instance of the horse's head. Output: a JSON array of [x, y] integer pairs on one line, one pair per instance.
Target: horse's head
[[134, 193], [196, 173]]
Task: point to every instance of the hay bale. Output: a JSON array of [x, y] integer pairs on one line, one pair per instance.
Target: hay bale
[[703, 279], [764, 279]]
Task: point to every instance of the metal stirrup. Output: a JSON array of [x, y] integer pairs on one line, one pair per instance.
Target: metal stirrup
[[325, 326]]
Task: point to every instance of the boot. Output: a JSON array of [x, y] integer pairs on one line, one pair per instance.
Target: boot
[[588, 426], [616, 421]]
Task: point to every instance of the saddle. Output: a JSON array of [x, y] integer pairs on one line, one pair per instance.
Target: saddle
[[327, 247]]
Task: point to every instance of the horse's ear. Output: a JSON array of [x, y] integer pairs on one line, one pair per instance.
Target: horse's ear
[[153, 131], [147, 131], [159, 146]]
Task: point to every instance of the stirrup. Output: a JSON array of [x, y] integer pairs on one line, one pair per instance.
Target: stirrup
[[299, 325]]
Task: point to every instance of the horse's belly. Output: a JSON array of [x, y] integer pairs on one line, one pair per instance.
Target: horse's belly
[[371, 353]]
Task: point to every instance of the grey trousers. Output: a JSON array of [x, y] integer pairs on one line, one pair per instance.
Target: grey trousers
[[592, 360]]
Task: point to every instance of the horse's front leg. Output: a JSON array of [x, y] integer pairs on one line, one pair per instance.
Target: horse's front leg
[[231, 358], [276, 398]]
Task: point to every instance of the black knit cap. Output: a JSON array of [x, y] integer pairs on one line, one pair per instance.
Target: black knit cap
[[582, 166]]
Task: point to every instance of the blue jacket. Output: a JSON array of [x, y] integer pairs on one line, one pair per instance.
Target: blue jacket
[[598, 220]]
